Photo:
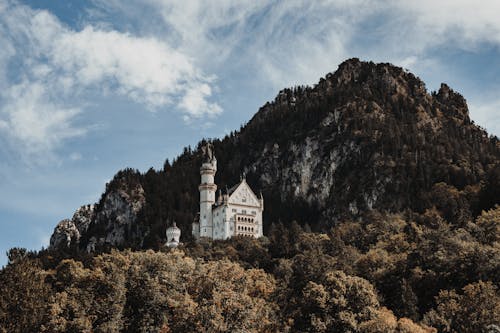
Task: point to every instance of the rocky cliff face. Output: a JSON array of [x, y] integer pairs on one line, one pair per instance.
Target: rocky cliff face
[[68, 232], [367, 137], [110, 223], [117, 217]]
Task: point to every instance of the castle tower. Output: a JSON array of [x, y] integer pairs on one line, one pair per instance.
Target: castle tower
[[173, 234], [207, 193]]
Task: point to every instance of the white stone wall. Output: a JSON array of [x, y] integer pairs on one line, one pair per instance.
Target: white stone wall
[[253, 212], [225, 222], [218, 218]]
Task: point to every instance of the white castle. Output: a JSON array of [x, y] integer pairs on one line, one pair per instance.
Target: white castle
[[236, 212]]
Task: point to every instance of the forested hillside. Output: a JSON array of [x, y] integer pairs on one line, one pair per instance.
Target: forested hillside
[[383, 273], [367, 137]]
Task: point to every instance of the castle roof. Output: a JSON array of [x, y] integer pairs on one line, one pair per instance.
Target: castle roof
[[232, 189]]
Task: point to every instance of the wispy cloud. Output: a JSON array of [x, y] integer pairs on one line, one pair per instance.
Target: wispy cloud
[[282, 43], [465, 23], [33, 122], [291, 42], [53, 67]]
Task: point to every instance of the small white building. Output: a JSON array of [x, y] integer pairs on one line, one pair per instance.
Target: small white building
[[236, 211], [173, 235]]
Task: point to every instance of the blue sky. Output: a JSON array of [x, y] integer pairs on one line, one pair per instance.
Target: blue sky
[[91, 87]]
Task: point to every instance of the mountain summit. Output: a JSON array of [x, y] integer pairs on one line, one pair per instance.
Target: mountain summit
[[368, 137]]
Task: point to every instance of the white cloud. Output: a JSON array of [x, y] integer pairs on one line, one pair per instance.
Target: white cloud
[[143, 68], [195, 101], [285, 43], [33, 123], [487, 115], [295, 42], [56, 66], [280, 43], [75, 156], [464, 22]]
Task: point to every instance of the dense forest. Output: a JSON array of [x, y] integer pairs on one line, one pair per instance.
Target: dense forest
[[381, 215], [384, 273]]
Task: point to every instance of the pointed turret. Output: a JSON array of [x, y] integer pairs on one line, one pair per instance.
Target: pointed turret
[[173, 235]]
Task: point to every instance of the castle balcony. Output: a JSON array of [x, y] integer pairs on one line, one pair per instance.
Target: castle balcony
[[245, 225]]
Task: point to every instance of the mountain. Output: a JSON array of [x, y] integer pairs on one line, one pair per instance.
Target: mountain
[[368, 137], [401, 187]]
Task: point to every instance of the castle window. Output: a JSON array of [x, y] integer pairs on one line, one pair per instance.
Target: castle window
[[234, 210], [243, 211], [254, 212], [244, 200]]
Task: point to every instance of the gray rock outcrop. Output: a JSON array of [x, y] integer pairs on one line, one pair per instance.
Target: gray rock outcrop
[[68, 232]]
